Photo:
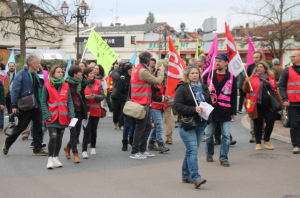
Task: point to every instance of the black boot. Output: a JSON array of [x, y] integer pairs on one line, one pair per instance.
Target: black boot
[[130, 140], [151, 146], [162, 148], [125, 145]]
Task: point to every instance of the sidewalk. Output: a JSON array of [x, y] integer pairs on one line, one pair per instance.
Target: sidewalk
[[279, 132]]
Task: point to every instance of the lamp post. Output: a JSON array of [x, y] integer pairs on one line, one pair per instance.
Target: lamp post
[[82, 12], [166, 32]]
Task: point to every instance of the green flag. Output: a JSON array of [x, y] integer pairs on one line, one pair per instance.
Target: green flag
[[177, 47], [197, 49], [101, 50]]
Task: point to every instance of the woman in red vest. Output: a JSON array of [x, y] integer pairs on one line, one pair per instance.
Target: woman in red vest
[[94, 94], [58, 109], [258, 103]]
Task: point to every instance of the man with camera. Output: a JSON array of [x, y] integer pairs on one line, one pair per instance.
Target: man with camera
[[26, 102]]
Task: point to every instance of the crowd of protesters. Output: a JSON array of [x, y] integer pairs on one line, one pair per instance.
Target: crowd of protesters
[[43, 100]]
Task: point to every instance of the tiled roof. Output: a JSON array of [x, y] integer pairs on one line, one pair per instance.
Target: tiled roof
[[127, 28]]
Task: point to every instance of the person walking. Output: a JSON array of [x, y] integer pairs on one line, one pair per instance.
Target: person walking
[[94, 94], [123, 90], [276, 69], [77, 87], [241, 80], [99, 74], [258, 102], [11, 73], [4, 77], [157, 108], [224, 98], [289, 83], [190, 90], [58, 110], [26, 101], [141, 92]]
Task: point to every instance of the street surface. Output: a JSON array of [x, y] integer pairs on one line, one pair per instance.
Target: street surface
[[111, 173]]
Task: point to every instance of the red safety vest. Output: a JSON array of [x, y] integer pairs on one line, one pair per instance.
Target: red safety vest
[[253, 95], [58, 104], [293, 86], [109, 82], [224, 97], [94, 107], [140, 90], [159, 105]]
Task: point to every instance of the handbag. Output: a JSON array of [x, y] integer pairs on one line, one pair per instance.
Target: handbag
[[189, 123], [103, 112], [26, 103], [274, 103], [135, 110]]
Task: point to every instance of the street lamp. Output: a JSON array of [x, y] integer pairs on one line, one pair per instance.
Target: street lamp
[[83, 10]]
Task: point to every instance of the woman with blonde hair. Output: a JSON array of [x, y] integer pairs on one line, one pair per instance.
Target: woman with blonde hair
[[58, 110], [258, 102], [190, 92]]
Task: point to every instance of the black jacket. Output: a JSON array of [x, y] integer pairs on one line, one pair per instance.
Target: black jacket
[[115, 74], [184, 102], [250, 69], [223, 114], [123, 87]]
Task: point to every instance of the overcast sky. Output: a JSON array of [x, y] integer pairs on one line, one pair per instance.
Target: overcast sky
[[191, 12]]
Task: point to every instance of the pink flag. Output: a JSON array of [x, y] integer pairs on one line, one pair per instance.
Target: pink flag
[[251, 49], [210, 59]]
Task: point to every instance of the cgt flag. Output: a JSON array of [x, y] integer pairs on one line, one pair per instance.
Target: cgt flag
[[235, 65], [210, 59], [101, 50], [177, 47], [175, 70]]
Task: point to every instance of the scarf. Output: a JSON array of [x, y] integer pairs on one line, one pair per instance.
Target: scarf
[[57, 82], [2, 73], [262, 78], [75, 82], [198, 91]]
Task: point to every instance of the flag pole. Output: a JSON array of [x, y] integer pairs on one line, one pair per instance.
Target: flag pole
[[251, 89], [83, 54]]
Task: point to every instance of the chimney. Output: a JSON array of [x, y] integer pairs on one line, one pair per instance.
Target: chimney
[[117, 24], [247, 28]]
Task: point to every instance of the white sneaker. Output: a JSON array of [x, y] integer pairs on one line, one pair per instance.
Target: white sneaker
[[147, 154], [93, 151], [56, 162], [110, 114], [137, 156], [50, 163], [296, 150], [85, 155]]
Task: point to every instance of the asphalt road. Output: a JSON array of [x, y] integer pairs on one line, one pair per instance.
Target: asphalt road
[[19, 166]]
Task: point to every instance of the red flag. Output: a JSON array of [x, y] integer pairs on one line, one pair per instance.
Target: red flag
[[175, 70], [235, 65]]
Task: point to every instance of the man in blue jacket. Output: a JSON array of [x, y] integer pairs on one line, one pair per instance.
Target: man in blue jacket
[[26, 101]]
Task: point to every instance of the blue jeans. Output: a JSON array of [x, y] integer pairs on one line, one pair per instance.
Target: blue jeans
[[191, 140], [1, 119], [129, 126], [108, 100], [294, 113], [157, 116], [225, 143]]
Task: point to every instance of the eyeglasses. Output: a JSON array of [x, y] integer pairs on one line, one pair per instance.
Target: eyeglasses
[[293, 56]]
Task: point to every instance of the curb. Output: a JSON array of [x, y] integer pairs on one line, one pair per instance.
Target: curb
[[246, 124]]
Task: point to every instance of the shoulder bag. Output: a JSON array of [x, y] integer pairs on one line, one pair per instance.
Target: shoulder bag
[[274, 102]]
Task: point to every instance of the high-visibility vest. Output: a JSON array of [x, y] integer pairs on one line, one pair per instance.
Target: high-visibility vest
[[224, 97], [3, 78], [140, 90], [293, 86], [94, 106], [254, 94], [109, 82], [156, 104], [58, 104]]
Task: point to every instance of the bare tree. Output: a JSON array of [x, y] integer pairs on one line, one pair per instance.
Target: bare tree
[[275, 23], [150, 18], [30, 22]]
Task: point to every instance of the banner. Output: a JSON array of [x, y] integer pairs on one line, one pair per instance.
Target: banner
[[177, 47], [132, 60], [210, 59], [251, 49], [68, 66], [101, 50], [11, 59], [175, 70], [235, 65]]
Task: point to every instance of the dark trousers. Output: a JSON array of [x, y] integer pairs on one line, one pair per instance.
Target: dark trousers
[[24, 118], [117, 111], [294, 113], [90, 132], [269, 117], [108, 100], [218, 133], [55, 140], [75, 132], [241, 100], [141, 133], [8, 106], [129, 127]]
